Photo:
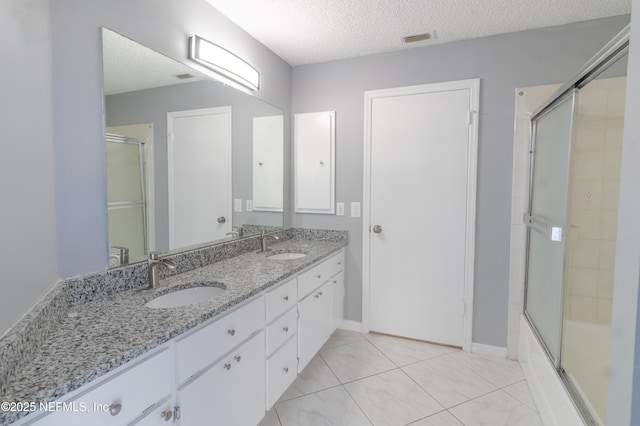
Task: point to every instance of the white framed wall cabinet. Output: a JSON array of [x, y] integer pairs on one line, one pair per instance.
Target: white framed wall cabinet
[[314, 162], [268, 177]]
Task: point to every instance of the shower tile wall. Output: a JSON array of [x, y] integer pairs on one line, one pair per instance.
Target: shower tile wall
[[595, 181]]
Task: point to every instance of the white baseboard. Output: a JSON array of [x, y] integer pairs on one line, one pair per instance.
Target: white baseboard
[[351, 326], [480, 349]]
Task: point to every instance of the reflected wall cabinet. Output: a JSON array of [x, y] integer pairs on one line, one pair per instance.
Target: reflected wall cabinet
[[314, 162], [268, 152]]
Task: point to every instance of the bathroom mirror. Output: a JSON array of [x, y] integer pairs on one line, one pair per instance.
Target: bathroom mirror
[[180, 150]]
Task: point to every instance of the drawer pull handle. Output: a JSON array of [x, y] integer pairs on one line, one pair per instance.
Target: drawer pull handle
[[231, 332], [227, 366], [237, 358], [166, 415], [286, 369], [285, 329], [286, 298], [115, 408]]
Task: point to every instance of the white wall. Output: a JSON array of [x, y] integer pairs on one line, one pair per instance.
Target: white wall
[[27, 222], [624, 385], [503, 62]]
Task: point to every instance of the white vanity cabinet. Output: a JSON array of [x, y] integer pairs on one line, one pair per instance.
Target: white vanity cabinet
[[319, 309], [230, 392], [117, 400], [282, 327], [314, 323]]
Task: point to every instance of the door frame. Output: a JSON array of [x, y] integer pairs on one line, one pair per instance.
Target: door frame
[[192, 113], [473, 85]]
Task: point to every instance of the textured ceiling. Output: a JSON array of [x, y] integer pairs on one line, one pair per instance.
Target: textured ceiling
[[310, 31], [129, 66]]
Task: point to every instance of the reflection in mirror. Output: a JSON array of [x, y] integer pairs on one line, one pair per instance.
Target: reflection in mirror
[[190, 161]]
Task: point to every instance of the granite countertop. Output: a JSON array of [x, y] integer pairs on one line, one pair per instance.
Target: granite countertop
[[99, 336]]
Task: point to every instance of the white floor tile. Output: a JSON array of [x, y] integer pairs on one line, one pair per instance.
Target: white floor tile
[[404, 351], [355, 361], [499, 371], [315, 377], [448, 381], [328, 407], [270, 419], [441, 419], [392, 398], [496, 409], [342, 337], [521, 392]]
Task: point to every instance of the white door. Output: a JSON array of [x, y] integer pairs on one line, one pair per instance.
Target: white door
[[199, 175], [421, 142]]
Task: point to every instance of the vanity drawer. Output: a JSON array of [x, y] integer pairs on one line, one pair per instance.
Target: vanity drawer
[[121, 398], [336, 263], [281, 330], [281, 299], [281, 371], [206, 345], [314, 278]]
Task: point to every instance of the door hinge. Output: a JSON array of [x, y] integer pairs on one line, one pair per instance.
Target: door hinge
[[176, 412]]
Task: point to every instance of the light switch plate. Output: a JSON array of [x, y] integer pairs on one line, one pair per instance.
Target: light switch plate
[[340, 209], [237, 205], [249, 205], [355, 209]]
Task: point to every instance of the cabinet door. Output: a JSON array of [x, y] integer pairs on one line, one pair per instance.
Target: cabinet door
[[314, 135], [337, 308], [268, 153], [314, 323], [119, 399], [231, 392]]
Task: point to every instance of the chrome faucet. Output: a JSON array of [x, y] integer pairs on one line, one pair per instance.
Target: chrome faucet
[[264, 237], [233, 234], [122, 255], [154, 274]]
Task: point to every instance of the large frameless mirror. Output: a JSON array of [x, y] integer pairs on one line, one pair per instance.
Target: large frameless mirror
[[190, 161]]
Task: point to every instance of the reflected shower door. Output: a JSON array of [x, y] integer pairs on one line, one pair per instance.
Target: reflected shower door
[[545, 221], [126, 198]]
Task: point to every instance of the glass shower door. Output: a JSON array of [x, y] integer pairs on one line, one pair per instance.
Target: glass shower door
[[545, 221]]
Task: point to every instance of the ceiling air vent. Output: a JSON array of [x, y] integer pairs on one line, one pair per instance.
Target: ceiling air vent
[[418, 37], [184, 76]]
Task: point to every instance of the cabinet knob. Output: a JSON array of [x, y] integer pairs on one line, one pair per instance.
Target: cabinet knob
[[322, 163], [231, 332], [320, 293], [286, 298], [339, 263], [317, 296], [319, 276], [286, 369], [335, 281], [166, 415], [227, 366], [285, 329], [115, 408], [237, 358]]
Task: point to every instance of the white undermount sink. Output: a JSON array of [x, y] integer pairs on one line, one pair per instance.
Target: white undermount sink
[[286, 256], [184, 297]]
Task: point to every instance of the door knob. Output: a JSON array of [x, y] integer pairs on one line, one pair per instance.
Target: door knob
[[222, 219], [377, 229]]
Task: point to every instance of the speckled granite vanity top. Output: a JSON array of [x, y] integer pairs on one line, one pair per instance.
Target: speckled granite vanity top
[[96, 337]]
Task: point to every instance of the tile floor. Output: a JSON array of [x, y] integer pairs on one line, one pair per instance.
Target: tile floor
[[368, 379]]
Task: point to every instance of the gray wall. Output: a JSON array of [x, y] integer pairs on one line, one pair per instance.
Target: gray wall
[[503, 62], [152, 105], [27, 229], [77, 88], [624, 385]]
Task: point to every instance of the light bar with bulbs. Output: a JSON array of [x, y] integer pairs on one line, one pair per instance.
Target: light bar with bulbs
[[223, 62]]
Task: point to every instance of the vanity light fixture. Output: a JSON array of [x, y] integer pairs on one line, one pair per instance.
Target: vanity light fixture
[[222, 61]]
